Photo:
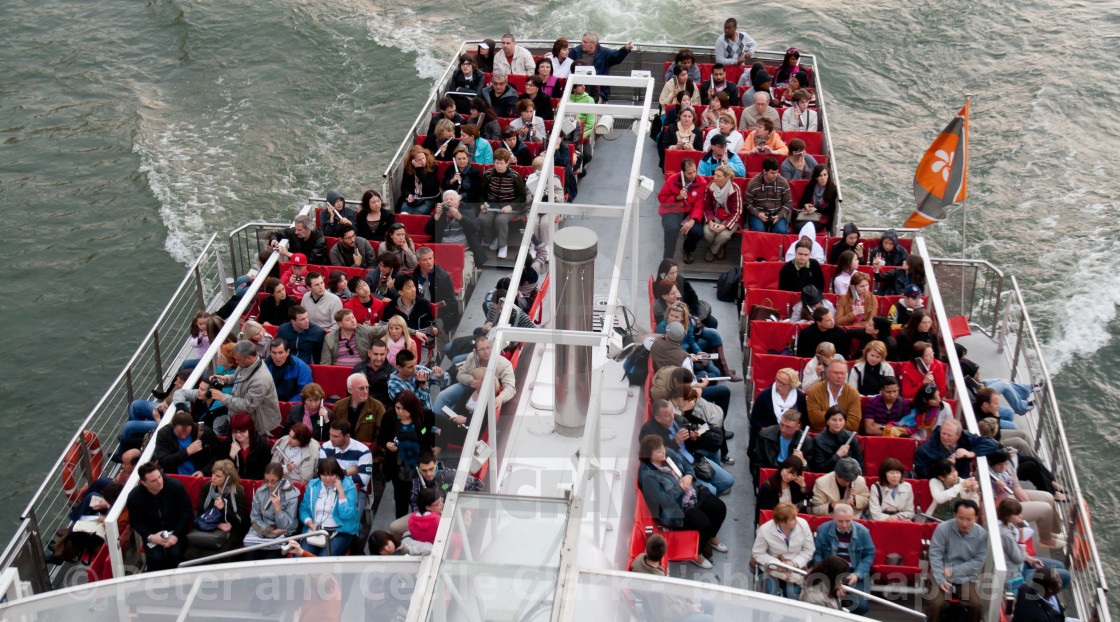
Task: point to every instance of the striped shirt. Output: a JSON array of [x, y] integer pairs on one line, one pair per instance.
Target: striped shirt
[[354, 454]]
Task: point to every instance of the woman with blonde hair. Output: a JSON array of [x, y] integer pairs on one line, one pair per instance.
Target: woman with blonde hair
[[254, 332], [397, 338], [870, 367], [224, 494], [859, 305], [774, 400]]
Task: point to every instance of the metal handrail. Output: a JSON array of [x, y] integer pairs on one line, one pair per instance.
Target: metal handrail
[[240, 264], [848, 588], [996, 299], [254, 547]]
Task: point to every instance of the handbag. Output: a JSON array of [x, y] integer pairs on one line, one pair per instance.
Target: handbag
[[215, 539], [803, 217], [703, 469], [209, 520], [764, 312]]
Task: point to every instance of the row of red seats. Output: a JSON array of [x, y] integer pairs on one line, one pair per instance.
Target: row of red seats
[[922, 496], [876, 449], [764, 274], [812, 143], [773, 246], [734, 72], [751, 161]]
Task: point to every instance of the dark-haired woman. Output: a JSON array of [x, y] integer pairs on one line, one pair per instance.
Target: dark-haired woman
[[374, 217], [919, 327], [547, 74], [330, 503], [405, 436], [789, 67], [669, 270], [834, 443], [467, 78], [561, 63], [483, 117], [894, 282], [927, 412], [274, 308], [824, 585], [680, 82], [819, 197], [785, 485], [464, 177], [849, 241], [485, 56]]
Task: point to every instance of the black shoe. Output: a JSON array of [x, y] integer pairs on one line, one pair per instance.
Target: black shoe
[[160, 395], [728, 434]]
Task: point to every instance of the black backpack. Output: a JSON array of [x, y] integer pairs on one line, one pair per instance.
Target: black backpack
[[636, 366], [729, 284]]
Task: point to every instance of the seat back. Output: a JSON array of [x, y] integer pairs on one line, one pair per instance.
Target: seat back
[[876, 449], [673, 159], [332, 378], [767, 336]]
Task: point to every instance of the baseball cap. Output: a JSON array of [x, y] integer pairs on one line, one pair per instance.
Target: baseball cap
[[299, 259], [913, 291]]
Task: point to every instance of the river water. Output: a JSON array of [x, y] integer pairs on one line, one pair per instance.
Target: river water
[[130, 132]]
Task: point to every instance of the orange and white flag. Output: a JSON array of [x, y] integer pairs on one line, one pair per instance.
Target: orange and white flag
[[942, 176]]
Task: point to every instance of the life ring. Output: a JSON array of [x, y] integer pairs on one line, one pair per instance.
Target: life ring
[[1079, 544], [73, 458]]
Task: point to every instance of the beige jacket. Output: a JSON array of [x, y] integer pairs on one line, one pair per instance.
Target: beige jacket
[[826, 491]]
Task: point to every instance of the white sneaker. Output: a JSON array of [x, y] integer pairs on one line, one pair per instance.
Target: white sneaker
[[503, 252], [721, 547], [494, 244], [703, 563]]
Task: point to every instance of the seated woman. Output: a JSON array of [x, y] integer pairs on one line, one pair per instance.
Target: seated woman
[[548, 78], [885, 409], [843, 485], [871, 369], [891, 498], [696, 410], [248, 448], [825, 584], [785, 485], [504, 191], [274, 308], [1014, 534], [723, 212], [678, 312], [1037, 506], [336, 284], [927, 412], [719, 105], [816, 367], [811, 298], [894, 282], [254, 332], [479, 149], [817, 204], [798, 80], [667, 484], [683, 134], [223, 493], [846, 266], [799, 165], [330, 503], [366, 307], [789, 67], [849, 241], [419, 189], [684, 100], [726, 126], [424, 522], [485, 119], [312, 412], [336, 215], [518, 150], [834, 443], [398, 338], [786, 539], [274, 512], [921, 370], [776, 399], [400, 244], [946, 486], [528, 126], [858, 305], [669, 270], [464, 177], [681, 82], [919, 327], [298, 453], [467, 78], [763, 139], [442, 142]]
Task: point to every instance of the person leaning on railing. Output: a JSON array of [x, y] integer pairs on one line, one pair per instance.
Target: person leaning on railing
[[303, 238], [186, 447]]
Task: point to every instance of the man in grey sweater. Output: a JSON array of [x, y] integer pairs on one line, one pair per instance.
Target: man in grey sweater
[[956, 555]]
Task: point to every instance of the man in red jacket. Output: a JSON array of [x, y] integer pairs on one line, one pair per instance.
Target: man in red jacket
[[682, 209]]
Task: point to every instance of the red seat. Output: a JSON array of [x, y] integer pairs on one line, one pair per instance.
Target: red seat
[[812, 140], [517, 81], [673, 159], [330, 242], [765, 366], [271, 330], [905, 539], [413, 223], [767, 246], [450, 257], [781, 300], [682, 545], [797, 188], [958, 325], [332, 378], [771, 336], [762, 274], [192, 484]]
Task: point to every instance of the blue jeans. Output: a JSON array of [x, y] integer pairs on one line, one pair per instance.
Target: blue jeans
[[721, 480], [139, 423], [241, 285], [338, 545], [719, 395], [709, 340], [858, 604], [671, 224], [1028, 571], [1014, 393], [777, 587], [453, 395], [756, 224], [423, 208]]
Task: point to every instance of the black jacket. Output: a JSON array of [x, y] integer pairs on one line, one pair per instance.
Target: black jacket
[[260, 454], [469, 185], [823, 457], [459, 120], [543, 105], [170, 456], [334, 229], [1031, 607], [463, 84], [768, 498], [811, 336], [419, 319], [731, 89], [170, 509], [315, 247], [237, 518], [378, 234], [790, 279], [504, 105], [431, 143], [441, 289], [378, 380], [769, 445], [429, 186]]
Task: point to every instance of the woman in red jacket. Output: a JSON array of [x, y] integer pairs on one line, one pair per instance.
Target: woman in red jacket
[[723, 211], [922, 369]]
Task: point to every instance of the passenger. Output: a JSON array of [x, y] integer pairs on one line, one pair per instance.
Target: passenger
[[681, 83], [719, 106], [487, 50], [669, 377], [580, 96], [400, 243], [846, 266], [810, 300], [783, 395], [668, 352], [986, 405], [956, 556], [785, 485], [778, 443], [892, 499], [397, 339], [834, 442], [761, 83], [430, 475], [312, 412], [528, 126], [867, 375], [799, 117], [734, 47], [302, 238], [664, 608], [921, 370], [802, 271], [274, 308], [824, 585], [675, 432], [818, 202], [144, 415], [434, 284], [485, 118], [247, 449], [561, 58], [798, 81], [815, 368], [684, 58], [763, 139], [725, 127], [405, 436], [224, 494], [185, 447], [297, 455], [352, 251], [330, 504], [789, 67], [547, 87], [419, 186], [423, 523], [1038, 506], [719, 155], [500, 97], [447, 112], [769, 203], [289, 374], [377, 370], [415, 378], [468, 78], [700, 412], [889, 251], [381, 279], [600, 57], [698, 340], [669, 270], [902, 309], [274, 510], [514, 58], [684, 100], [300, 333], [748, 120], [336, 284], [336, 215], [504, 189], [366, 308], [478, 148], [552, 193], [1037, 601], [798, 165], [928, 411], [100, 496], [920, 327], [493, 310], [157, 506], [885, 409], [683, 134], [785, 539], [894, 282], [858, 305], [849, 241], [834, 391], [442, 142], [356, 462], [824, 328], [946, 487], [456, 394], [362, 412], [723, 212], [253, 393], [666, 481], [842, 538], [1021, 567], [717, 84], [951, 442], [845, 484], [320, 304], [519, 151], [294, 278]]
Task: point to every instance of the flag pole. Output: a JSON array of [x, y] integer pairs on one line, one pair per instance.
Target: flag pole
[[964, 212]]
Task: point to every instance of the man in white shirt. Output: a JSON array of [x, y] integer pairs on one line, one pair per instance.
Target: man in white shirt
[[733, 47], [321, 305]]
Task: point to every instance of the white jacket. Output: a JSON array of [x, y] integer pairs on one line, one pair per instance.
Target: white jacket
[[522, 62], [770, 544], [792, 121], [882, 506]]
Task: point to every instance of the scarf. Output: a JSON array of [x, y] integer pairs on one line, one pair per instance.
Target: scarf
[[780, 405], [721, 194]]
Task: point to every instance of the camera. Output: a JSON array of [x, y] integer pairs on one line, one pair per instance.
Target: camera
[[216, 382], [166, 534], [286, 549]]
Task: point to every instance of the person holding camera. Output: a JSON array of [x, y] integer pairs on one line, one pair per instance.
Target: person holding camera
[[413, 377], [450, 225], [253, 389]]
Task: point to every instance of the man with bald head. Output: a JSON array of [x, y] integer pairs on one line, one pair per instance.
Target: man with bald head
[[850, 541], [834, 391], [362, 411], [761, 108], [951, 442]]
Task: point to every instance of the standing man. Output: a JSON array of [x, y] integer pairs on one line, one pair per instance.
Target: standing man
[[601, 58], [361, 411], [159, 510], [514, 58], [377, 371], [734, 47], [253, 390], [956, 555]]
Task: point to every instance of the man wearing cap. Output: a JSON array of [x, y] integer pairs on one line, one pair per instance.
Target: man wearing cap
[[718, 154], [302, 237], [336, 215], [843, 485], [500, 96], [352, 251], [667, 350], [513, 58], [900, 311]]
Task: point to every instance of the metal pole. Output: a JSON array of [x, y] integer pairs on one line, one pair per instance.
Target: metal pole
[[159, 358], [198, 289], [255, 547]]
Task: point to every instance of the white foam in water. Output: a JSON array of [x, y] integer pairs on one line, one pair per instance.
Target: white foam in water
[[1089, 297], [400, 27]]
